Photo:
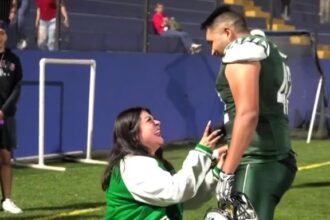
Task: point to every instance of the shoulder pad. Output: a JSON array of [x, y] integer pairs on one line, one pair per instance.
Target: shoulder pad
[[250, 48]]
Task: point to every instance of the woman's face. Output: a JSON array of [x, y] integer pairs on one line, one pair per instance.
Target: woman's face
[[150, 135]]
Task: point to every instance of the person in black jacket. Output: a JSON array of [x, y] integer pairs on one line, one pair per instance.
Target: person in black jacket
[[10, 84]]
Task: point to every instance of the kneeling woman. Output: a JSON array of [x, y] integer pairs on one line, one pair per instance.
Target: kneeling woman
[[141, 184]]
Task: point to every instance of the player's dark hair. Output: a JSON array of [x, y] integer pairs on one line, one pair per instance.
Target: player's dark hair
[[225, 14], [125, 142]]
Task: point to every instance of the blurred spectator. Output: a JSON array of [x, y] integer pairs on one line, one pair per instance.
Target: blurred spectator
[[8, 10], [22, 13], [165, 26], [46, 22], [286, 9], [324, 11]]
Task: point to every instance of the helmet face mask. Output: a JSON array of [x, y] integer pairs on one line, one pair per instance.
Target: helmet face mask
[[217, 214], [237, 208], [243, 208]]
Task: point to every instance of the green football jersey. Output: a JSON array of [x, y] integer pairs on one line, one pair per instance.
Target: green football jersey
[[271, 139]]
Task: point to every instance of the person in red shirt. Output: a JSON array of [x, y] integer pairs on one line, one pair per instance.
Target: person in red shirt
[[46, 22], [159, 19], [160, 22]]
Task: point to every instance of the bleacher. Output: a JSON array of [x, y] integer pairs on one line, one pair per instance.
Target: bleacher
[[118, 25], [304, 15]]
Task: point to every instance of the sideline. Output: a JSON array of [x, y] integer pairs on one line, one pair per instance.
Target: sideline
[[313, 166], [71, 213]]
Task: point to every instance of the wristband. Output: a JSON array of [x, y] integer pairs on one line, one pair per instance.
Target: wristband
[[216, 172], [204, 149]]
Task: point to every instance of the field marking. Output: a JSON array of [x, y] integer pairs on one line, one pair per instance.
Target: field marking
[[71, 213], [313, 166]]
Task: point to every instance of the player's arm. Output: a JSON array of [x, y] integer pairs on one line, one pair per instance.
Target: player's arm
[[243, 80]]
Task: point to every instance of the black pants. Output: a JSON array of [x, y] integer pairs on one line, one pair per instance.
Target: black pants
[[8, 134], [184, 37], [286, 3]]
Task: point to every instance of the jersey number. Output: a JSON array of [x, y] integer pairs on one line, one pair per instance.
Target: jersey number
[[284, 92]]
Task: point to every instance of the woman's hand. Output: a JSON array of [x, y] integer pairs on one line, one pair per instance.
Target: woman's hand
[[222, 152], [210, 139]]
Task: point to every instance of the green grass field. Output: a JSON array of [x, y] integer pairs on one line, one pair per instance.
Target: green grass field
[[76, 193]]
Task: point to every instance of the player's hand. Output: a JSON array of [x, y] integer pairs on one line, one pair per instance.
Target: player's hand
[[225, 185], [210, 139]]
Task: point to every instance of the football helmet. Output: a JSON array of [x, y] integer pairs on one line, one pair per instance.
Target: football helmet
[[237, 208]]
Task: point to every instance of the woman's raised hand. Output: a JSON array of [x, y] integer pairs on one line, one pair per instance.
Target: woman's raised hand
[[210, 139]]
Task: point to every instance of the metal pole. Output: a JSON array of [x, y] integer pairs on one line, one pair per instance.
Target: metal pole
[[91, 101], [317, 24], [91, 110], [146, 27], [58, 25], [41, 140], [41, 137], [316, 103], [271, 18]]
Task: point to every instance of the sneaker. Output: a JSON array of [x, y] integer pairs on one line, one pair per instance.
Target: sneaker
[[9, 206], [285, 17], [195, 48], [22, 44]]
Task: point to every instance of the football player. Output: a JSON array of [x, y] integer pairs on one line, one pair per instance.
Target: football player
[[254, 84]]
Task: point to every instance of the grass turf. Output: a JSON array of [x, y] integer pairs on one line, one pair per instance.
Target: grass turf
[[76, 193]]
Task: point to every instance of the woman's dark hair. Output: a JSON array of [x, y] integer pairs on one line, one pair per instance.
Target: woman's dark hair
[[125, 141]]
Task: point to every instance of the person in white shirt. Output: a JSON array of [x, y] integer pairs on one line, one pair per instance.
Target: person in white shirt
[[141, 184]]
